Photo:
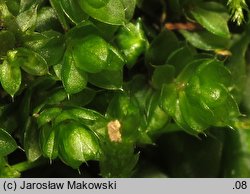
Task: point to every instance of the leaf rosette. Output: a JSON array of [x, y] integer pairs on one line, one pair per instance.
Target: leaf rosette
[[200, 97]]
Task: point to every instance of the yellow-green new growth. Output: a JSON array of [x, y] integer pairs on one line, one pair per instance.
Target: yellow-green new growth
[[236, 8]]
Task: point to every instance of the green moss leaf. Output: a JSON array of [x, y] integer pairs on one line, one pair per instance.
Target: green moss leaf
[[14, 6], [47, 116], [111, 12], [205, 40], [27, 19], [125, 109], [156, 117], [214, 72], [77, 144], [169, 98], [31, 140], [212, 21], [129, 7], [181, 57], [52, 97], [49, 141], [84, 116], [111, 80], [115, 60], [98, 3], [131, 40], [31, 62], [10, 76], [7, 143], [73, 11], [7, 18], [90, 53], [74, 80], [47, 20], [60, 14], [191, 115], [50, 45]]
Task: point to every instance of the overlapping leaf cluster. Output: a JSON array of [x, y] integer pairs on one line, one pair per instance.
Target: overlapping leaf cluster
[[101, 79]]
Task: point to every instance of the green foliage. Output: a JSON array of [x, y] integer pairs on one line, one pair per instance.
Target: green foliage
[[236, 8], [110, 12], [73, 11], [8, 144], [76, 144], [205, 40], [125, 88], [74, 80], [10, 76], [90, 53], [200, 97], [214, 22], [131, 40]]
